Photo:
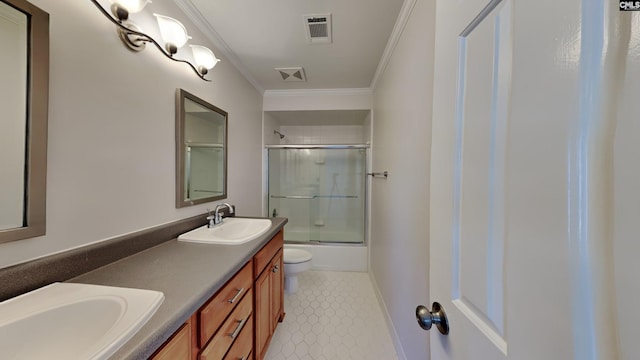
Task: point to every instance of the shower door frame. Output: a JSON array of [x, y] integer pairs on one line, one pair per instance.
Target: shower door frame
[[366, 209]]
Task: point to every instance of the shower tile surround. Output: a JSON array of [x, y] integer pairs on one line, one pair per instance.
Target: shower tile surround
[[320, 127], [333, 316], [323, 134], [315, 129]]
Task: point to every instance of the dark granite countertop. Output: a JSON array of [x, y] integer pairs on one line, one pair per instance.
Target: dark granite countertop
[[187, 273]]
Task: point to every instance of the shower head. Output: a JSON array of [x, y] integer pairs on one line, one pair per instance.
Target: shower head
[[279, 133]]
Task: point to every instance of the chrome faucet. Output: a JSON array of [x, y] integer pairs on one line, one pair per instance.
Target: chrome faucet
[[216, 217]]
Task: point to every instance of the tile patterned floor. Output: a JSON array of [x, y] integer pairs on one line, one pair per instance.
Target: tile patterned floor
[[333, 316]]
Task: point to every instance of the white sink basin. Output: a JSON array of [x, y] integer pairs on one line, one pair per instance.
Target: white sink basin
[[73, 321], [232, 231]]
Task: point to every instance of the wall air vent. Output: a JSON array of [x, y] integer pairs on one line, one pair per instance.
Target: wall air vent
[[292, 74], [318, 28]]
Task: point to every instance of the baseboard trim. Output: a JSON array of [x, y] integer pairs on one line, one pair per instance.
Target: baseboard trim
[[387, 318]]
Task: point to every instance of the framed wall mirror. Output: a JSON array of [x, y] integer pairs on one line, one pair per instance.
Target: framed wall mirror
[[24, 97], [201, 151]]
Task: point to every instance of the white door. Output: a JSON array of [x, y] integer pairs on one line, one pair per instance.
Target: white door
[[626, 185], [522, 190]]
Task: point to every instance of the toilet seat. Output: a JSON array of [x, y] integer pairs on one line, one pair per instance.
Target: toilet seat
[[296, 256]]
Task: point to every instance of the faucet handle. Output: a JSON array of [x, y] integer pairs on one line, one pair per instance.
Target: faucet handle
[[210, 219], [218, 218]]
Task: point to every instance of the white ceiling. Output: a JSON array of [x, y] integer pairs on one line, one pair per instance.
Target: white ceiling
[[260, 35]]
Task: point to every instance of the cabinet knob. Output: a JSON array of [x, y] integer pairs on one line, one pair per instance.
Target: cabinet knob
[[276, 268]]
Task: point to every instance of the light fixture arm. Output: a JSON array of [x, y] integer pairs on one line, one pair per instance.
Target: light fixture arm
[[146, 38]]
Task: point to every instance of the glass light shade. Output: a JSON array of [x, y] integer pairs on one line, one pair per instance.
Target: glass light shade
[[204, 57], [172, 30], [132, 6]]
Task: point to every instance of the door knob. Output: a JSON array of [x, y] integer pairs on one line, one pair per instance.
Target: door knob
[[437, 316]]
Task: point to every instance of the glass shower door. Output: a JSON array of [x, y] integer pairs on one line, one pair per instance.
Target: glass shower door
[[321, 191]]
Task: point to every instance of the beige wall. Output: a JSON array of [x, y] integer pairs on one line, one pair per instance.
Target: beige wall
[[111, 147], [111, 132], [400, 204]]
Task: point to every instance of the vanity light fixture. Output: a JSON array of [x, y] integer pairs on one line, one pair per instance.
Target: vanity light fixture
[[204, 57], [173, 33], [122, 8]]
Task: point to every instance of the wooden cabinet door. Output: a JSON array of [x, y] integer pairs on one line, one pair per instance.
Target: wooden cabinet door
[[262, 308], [277, 290], [269, 293]]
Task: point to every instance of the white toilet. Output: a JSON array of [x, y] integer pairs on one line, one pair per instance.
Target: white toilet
[[295, 262]]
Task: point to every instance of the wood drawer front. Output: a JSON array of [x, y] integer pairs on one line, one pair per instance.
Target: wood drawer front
[[264, 256], [242, 347], [178, 347], [220, 343], [215, 311]]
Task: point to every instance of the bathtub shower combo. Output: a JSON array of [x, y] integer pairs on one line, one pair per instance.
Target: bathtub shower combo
[[322, 191]]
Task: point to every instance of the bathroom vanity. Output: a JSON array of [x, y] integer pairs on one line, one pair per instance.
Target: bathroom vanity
[[239, 320], [221, 301]]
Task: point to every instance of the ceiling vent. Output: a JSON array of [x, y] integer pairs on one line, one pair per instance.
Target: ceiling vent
[[318, 28], [292, 74]]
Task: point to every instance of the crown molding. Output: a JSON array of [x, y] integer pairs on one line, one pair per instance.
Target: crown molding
[[398, 29], [316, 92], [201, 22]]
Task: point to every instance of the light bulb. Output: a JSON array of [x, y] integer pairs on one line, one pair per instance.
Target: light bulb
[[204, 58], [173, 33]]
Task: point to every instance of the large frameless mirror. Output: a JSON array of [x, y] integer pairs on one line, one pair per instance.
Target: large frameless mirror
[[201, 150], [24, 96]]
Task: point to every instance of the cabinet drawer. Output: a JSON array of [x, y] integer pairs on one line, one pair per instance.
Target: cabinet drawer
[[230, 330], [242, 347], [178, 347], [264, 256], [216, 310]]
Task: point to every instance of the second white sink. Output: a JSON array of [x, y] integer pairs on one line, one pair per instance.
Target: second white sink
[[232, 231], [73, 321]]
